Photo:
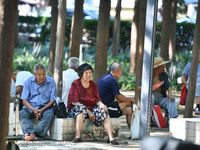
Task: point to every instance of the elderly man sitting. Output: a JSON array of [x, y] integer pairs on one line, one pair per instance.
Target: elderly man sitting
[[38, 98]]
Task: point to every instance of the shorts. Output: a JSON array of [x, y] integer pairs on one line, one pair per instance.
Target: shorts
[[100, 113]]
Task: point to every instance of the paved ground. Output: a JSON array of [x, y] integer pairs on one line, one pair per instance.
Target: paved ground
[[125, 143]]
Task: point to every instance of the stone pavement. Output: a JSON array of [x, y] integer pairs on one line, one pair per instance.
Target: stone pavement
[[125, 143]]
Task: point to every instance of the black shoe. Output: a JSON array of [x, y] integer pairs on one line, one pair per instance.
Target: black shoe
[[113, 142], [76, 140]]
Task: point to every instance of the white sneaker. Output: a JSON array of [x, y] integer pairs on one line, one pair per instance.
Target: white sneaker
[[197, 111]]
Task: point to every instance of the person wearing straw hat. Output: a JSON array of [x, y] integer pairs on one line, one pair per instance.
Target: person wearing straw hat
[[162, 94]]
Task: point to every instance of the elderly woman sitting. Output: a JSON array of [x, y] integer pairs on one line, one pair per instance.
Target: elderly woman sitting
[[84, 101]]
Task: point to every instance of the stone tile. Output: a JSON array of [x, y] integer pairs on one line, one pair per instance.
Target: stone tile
[[191, 125], [64, 129], [190, 132]]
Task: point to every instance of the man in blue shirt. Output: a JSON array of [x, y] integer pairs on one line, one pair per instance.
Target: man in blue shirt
[[185, 80], [109, 90], [38, 97]]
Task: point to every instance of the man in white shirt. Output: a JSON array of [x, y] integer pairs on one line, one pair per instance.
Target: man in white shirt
[[12, 89], [69, 76], [19, 78]]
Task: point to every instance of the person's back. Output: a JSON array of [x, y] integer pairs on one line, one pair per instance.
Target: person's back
[[12, 89], [108, 88], [69, 76], [21, 77]]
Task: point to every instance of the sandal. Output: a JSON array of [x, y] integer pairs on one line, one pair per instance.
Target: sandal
[[113, 142], [76, 140]]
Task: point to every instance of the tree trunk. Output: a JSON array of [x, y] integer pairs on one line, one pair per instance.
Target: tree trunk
[[164, 50], [102, 39], [60, 41], [194, 66], [52, 47], [116, 30], [134, 34], [76, 29], [140, 45], [16, 26], [7, 43], [172, 38]]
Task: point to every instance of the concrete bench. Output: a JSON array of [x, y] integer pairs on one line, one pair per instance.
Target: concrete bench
[[64, 129], [187, 129]]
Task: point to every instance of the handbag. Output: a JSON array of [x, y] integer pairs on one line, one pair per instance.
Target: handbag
[[135, 123], [114, 110], [158, 117], [183, 95], [60, 109]]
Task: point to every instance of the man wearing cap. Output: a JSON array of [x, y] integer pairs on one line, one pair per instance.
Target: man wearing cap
[[163, 94]]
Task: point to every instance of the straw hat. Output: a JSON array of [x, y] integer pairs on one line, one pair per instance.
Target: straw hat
[[158, 61]]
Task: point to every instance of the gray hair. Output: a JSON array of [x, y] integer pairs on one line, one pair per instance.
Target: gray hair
[[114, 66], [39, 66], [73, 63]]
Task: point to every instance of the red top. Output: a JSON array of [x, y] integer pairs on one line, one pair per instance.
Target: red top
[[87, 96]]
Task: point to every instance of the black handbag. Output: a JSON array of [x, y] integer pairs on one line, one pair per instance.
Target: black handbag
[[114, 110], [60, 110]]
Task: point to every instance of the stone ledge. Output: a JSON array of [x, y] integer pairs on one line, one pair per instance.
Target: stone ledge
[[64, 129], [187, 129]]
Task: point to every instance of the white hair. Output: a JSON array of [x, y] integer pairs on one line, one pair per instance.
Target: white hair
[[114, 66], [73, 63]]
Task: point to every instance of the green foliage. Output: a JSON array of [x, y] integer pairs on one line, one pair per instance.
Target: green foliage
[[27, 55], [184, 36], [23, 60], [184, 32], [90, 30], [177, 67], [127, 81]]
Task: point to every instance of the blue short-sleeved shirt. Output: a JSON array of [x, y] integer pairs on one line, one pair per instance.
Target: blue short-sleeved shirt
[[186, 70], [108, 88], [39, 94]]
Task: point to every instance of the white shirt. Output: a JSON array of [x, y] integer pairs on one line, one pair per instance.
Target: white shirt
[[68, 77], [22, 76], [12, 89]]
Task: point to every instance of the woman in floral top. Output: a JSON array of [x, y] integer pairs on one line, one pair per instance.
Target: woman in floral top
[[84, 101]]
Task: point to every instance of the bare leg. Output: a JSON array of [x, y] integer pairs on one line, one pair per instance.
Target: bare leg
[[107, 126], [125, 104], [79, 125], [128, 112]]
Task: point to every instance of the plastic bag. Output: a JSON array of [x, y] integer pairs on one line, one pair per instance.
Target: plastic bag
[[183, 95], [135, 122]]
